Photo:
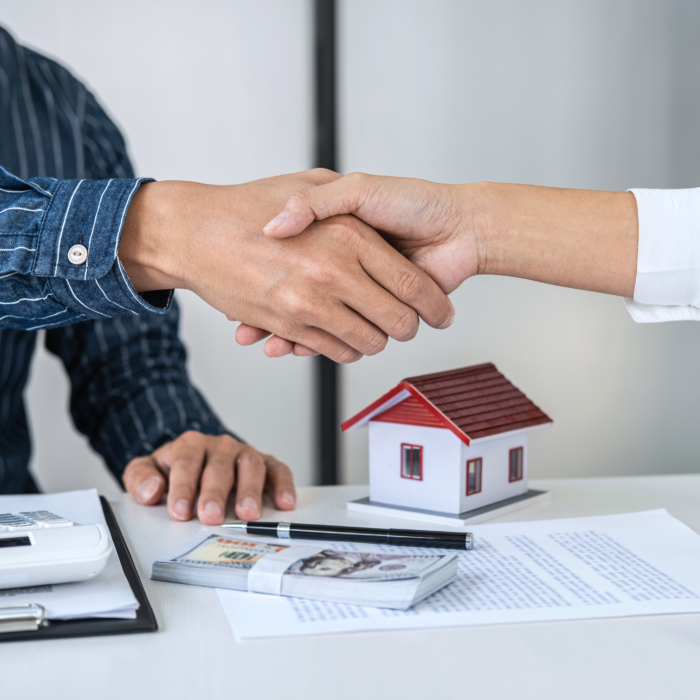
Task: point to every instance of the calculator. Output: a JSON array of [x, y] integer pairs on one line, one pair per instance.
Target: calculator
[[39, 548]]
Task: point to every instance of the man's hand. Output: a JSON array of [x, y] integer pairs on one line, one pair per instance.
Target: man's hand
[[214, 467], [337, 288]]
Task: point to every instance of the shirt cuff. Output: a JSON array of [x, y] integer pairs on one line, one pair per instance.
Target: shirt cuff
[[667, 287], [91, 213]]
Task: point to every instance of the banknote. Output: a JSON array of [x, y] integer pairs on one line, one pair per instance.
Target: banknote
[[239, 554], [228, 553], [374, 578], [362, 565]]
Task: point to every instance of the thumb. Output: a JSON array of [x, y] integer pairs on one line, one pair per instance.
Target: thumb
[[345, 195]]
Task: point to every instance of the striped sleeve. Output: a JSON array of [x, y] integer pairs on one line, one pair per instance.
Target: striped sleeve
[[131, 392], [41, 221]]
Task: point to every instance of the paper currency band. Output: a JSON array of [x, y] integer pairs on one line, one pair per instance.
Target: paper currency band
[[266, 574]]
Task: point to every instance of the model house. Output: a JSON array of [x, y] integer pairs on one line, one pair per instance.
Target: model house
[[449, 443]]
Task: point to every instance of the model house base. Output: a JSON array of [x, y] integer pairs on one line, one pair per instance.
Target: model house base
[[476, 515]]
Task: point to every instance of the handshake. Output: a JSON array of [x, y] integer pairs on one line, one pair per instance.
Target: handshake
[[337, 265]]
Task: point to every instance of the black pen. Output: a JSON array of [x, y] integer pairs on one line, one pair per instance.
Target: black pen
[[370, 535]]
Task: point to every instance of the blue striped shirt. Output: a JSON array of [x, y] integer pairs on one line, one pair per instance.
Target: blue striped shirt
[[66, 180]]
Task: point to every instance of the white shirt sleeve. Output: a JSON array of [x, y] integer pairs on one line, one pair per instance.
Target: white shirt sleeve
[[667, 287]]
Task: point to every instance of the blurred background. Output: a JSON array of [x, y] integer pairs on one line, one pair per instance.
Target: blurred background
[[568, 93]]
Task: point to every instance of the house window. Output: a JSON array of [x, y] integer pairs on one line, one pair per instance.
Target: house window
[[474, 476], [515, 464], [412, 462]]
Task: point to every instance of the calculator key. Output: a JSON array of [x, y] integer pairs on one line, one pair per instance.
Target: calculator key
[[46, 519], [10, 522]]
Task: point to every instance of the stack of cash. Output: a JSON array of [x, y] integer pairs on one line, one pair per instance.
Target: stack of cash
[[374, 579]]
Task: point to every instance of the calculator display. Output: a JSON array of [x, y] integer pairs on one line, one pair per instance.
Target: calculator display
[[15, 542]]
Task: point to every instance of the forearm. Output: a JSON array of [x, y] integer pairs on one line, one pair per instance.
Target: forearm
[[583, 239], [131, 391]]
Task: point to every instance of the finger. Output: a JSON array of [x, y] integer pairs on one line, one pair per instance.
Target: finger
[[380, 285], [343, 196], [405, 282], [217, 479], [278, 347], [280, 483], [342, 324], [322, 342], [249, 335], [302, 351], [144, 481], [250, 478], [185, 458]]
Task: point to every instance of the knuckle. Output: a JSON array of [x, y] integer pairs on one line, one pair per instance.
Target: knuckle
[[357, 179], [376, 344], [227, 441], [190, 436], [252, 459], [330, 275], [187, 465], [321, 175], [405, 325], [410, 285], [296, 306], [299, 200], [348, 355]]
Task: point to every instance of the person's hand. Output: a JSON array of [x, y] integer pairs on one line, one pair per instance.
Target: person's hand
[[583, 239], [337, 288], [429, 223], [214, 466]]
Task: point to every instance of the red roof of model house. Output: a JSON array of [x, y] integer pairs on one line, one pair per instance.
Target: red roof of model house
[[473, 402]]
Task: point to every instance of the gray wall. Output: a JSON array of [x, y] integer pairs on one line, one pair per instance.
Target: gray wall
[[600, 95], [571, 94]]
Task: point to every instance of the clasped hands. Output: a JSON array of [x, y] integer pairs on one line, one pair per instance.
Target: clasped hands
[[336, 287]]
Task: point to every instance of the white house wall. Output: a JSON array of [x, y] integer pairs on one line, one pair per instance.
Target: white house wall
[[495, 470], [443, 467]]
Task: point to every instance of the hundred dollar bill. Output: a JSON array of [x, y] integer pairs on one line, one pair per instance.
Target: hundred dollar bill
[[362, 578], [239, 554]]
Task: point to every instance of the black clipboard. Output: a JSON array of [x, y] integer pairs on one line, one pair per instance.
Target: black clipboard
[[145, 620]]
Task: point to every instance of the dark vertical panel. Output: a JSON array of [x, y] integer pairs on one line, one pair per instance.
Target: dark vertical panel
[[326, 156]]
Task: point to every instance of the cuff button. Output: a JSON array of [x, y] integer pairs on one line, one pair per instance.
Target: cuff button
[[77, 254]]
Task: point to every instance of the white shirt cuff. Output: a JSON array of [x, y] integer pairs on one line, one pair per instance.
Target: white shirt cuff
[[667, 287]]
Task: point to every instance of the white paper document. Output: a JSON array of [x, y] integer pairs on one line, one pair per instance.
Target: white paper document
[[107, 595], [606, 566]]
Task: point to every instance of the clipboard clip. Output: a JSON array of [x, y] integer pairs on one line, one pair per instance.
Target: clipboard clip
[[22, 618]]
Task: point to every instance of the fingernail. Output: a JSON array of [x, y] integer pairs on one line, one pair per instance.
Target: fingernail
[[287, 498], [148, 489], [447, 323], [276, 222], [214, 509], [249, 503], [182, 509]]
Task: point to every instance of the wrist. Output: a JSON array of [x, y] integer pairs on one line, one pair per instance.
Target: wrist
[[584, 239], [149, 248], [477, 217]]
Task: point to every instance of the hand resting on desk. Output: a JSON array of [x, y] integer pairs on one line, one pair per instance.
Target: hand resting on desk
[[214, 466]]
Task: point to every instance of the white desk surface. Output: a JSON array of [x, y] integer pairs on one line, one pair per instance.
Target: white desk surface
[[194, 655]]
